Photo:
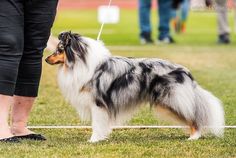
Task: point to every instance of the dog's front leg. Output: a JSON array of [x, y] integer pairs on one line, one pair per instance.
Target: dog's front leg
[[100, 124]]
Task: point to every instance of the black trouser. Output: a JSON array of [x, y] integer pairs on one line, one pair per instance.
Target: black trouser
[[24, 31]]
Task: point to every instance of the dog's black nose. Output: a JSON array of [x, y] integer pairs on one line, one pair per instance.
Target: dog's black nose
[[47, 60]]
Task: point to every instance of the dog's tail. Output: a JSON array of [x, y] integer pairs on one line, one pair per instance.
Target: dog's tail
[[193, 104], [209, 111]]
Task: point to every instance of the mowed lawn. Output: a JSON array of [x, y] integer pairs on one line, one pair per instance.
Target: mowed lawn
[[213, 66]]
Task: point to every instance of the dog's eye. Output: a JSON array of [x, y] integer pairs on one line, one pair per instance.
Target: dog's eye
[[61, 47]]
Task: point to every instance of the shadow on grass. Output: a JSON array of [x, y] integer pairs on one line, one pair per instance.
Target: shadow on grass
[[137, 136]]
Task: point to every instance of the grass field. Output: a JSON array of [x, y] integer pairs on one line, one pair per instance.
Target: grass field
[[213, 66]]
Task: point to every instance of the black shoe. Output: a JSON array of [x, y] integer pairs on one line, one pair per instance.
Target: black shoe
[[10, 140], [33, 136], [146, 41], [224, 39], [145, 38], [166, 40]]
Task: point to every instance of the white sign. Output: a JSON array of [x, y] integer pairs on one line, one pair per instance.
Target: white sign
[[198, 4], [108, 15]]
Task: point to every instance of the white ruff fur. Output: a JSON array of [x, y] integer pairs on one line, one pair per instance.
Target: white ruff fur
[[70, 82]]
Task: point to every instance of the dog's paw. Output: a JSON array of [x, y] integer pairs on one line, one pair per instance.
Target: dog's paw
[[195, 136], [95, 139]]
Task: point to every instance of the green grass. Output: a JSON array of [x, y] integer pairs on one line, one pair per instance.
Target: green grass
[[213, 67]]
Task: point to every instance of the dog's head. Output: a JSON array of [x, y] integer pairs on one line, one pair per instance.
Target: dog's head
[[70, 49]]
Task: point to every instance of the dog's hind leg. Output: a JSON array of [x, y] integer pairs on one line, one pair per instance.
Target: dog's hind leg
[[100, 124], [194, 133], [167, 114], [172, 116]]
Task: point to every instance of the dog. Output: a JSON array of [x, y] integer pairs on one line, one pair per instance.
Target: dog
[[108, 89]]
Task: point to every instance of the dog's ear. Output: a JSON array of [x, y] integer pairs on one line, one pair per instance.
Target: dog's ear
[[74, 46], [65, 37], [70, 54], [80, 46]]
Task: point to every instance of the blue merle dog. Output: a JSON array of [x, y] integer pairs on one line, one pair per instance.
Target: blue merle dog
[[108, 89]]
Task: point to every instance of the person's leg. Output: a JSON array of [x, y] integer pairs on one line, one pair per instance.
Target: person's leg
[[223, 24], [184, 10], [39, 17], [184, 14], [221, 8], [144, 19], [5, 103], [174, 13], [11, 49], [20, 114], [175, 19], [165, 10]]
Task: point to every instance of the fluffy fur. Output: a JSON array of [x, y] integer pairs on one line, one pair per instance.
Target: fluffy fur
[[108, 89]]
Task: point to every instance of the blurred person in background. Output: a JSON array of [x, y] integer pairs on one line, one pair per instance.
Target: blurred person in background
[[223, 24], [165, 11], [52, 43], [180, 15]]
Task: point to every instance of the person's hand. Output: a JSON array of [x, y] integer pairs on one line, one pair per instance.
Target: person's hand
[[209, 3]]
